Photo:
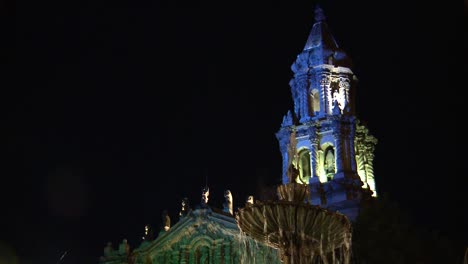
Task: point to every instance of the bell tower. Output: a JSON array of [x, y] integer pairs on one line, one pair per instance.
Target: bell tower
[[334, 150]]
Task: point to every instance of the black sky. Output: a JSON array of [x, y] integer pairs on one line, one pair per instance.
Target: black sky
[[120, 108]]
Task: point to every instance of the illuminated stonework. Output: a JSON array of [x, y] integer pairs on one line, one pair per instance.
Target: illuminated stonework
[[365, 146], [202, 236], [333, 153], [326, 130]]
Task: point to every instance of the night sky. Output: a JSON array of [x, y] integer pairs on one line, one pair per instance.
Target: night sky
[[118, 109]]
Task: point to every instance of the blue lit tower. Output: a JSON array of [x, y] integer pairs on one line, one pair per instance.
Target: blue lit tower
[[334, 151]]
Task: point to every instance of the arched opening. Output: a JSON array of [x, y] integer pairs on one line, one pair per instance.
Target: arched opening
[[329, 163], [202, 255], [314, 102], [304, 166], [200, 252]]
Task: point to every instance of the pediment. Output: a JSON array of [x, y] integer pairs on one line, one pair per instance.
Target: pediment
[[198, 226]]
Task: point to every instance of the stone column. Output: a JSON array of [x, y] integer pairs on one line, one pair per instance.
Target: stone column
[[301, 86], [369, 167], [337, 134], [184, 254], [344, 149], [175, 258], [352, 152], [227, 253], [324, 81], [320, 161], [313, 156], [314, 141], [217, 256]]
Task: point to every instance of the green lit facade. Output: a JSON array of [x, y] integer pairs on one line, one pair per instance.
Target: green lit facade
[[202, 236]]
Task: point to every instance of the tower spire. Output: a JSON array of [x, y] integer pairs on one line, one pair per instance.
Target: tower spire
[[320, 36], [319, 15]]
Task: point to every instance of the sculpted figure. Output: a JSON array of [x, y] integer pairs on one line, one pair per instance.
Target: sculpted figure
[[336, 107], [205, 194], [166, 220], [329, 165], [124, 247], [227, 206], [108, 250], [250, 200]]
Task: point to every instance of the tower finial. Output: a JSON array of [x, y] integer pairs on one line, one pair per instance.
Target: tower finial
[[319, 15]]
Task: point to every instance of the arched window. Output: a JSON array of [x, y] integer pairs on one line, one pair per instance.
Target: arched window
[[202, 255], [200, 252], [329, 163], [304, 166]]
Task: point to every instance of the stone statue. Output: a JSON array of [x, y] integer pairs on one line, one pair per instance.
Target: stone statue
[[124, 247], [184, 207], [250, 200], [336, 105], [166, 221], [329, 165], [227, 206], [205, 194], [108, 250]]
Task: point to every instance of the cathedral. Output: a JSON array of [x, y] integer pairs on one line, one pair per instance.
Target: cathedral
[[332, 154]]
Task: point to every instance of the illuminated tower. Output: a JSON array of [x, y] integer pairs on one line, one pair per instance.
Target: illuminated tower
[[334, 150]]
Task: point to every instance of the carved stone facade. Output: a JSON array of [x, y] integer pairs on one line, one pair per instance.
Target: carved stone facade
[[202, 236], [340, 148]]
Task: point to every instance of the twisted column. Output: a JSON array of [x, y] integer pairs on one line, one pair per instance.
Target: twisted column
[[184, 254], [338, 148], [314, 142], [369, 167], [227, 252], [352, 152]]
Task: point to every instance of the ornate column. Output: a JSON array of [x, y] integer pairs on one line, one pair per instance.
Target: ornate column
[[320, 168], [325, 92], [314, 141], [369, 167], [361, 167], [217, 256], [294, 94], [352, 152], [184, 254], [175, 256], [301, 86], [345, 139], [337, 134], [227, 253]]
